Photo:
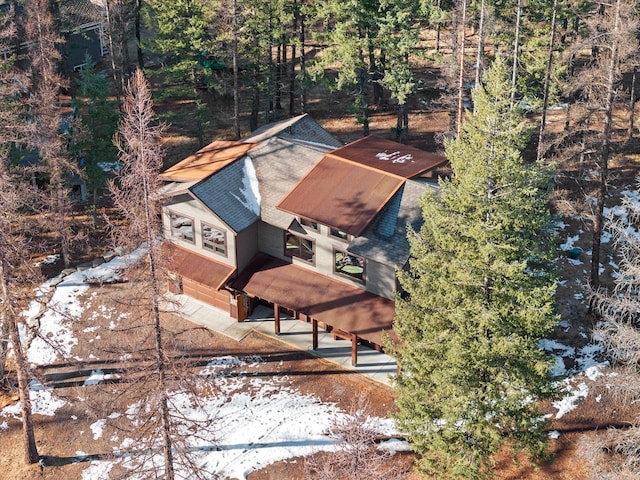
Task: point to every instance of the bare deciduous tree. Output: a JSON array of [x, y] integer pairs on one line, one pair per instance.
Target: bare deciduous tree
[[17, 275], [159, 421], [135, 197], [358, 455], [48, 137], [613, 42], [616, 454]]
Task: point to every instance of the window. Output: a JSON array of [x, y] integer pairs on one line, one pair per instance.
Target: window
[[350, 265], [310, 224], [214, 239], [338, 233], [181, 227], [295, 246]]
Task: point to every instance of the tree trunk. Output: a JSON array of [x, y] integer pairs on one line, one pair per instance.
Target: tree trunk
[[303, 67], [438, 30], [114, 69], [124, 42], [516, 47], [4, 346], [270, 74], [255, 103], [280, 59], [598, 219], [547, 81], [160, 356], [138, 35], [632, 104], [480, 52], [95, 208], [402, 123], [292, 82], [365, 106], [463, 27], [9, 320], [61, 208], [236, 100]]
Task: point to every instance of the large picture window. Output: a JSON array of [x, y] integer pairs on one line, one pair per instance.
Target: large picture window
[[349, 265], [181, 227], [214, 239], [299, 247]]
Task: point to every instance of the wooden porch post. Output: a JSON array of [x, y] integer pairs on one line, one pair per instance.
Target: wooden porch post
[[276, 318], [354, 349], [314, 327]]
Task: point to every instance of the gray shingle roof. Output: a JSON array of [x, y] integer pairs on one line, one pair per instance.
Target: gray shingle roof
[[376, 243], [302, 128], [76, 13], [228, 193], [279, 164]]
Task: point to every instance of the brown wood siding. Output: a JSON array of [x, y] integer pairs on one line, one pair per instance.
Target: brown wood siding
[[204, 293]]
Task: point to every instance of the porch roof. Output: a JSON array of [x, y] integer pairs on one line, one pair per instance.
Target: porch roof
[[332, 302], [197, 267]]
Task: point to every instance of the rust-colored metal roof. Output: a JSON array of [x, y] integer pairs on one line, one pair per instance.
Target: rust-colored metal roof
[[349, 186], [342, 306], [388, 156], [341, 194], [207, 161], [197, 267]]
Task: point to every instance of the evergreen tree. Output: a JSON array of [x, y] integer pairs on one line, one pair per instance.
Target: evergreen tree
[[99, 116], [478, 297]]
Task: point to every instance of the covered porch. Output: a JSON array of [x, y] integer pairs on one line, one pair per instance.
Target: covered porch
[[345, 311]]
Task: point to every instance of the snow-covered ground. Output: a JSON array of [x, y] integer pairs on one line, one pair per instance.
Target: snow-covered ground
[[260, 420], [274, 421]]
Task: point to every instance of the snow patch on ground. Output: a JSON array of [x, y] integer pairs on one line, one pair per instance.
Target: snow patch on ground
[[42, 403], [258, 421], [97, 428], [571, 400]]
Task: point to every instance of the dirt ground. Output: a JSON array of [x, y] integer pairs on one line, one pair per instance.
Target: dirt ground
[[59, 440]]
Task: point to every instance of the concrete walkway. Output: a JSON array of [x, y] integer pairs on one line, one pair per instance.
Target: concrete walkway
[[295, 333]]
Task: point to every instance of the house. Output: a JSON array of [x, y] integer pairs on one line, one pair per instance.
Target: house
[[82, 23], [291, 217]]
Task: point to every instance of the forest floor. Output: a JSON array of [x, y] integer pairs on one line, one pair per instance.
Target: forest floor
[[588, 412]]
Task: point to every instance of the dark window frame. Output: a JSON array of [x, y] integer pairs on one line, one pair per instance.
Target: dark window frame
[[307, 223], [337, 233], [181, 236], [214, 246], [292, 253], [354, 276]]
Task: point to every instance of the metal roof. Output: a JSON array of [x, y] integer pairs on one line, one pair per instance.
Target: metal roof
[[342, 306], [207, 161], [280, 164], [390, 157], [391, 247], [349, 186], [197, 267], [340, 194]]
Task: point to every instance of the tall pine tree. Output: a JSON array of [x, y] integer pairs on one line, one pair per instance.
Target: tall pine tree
[[478, 296]]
